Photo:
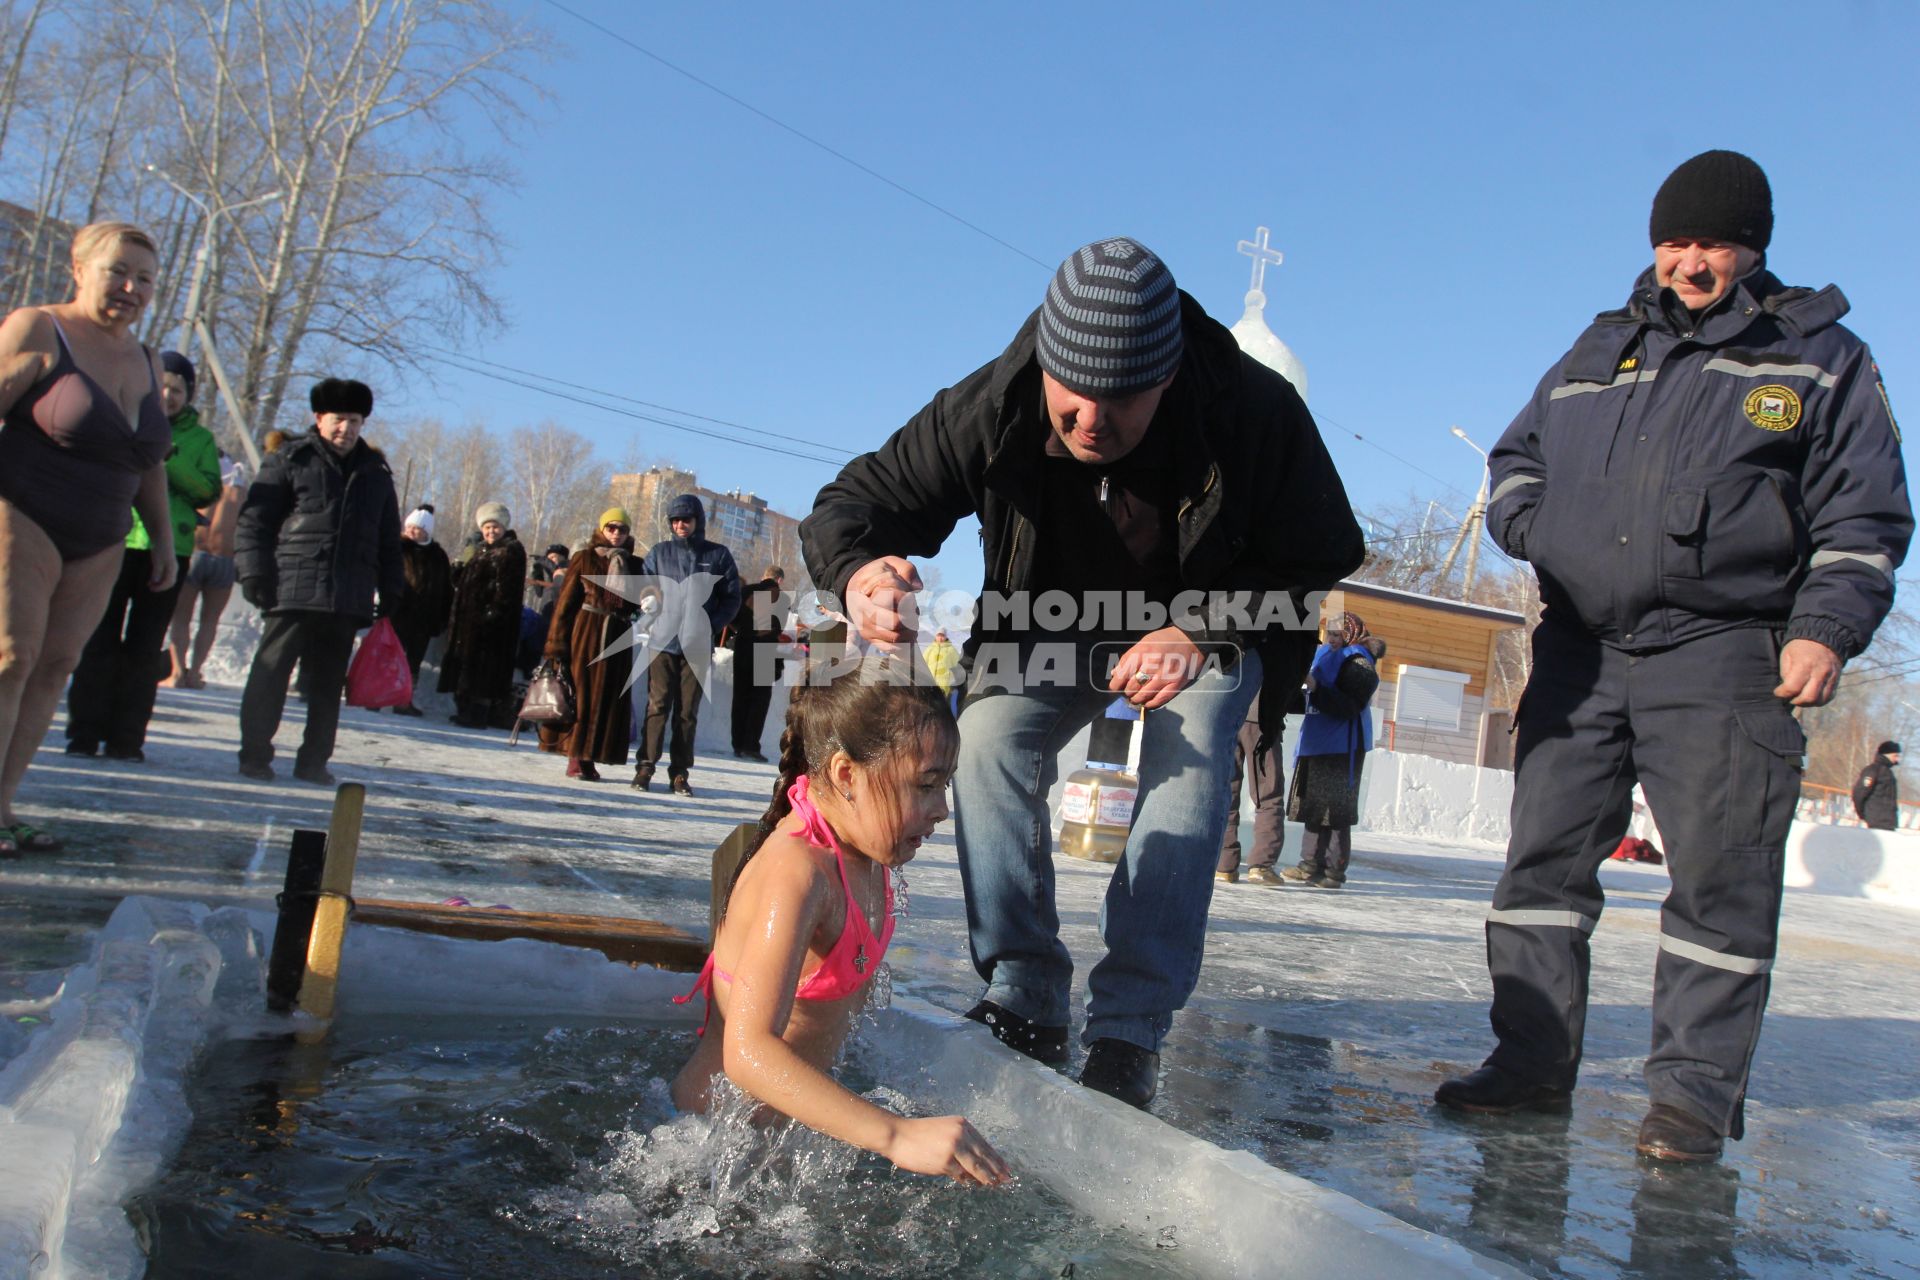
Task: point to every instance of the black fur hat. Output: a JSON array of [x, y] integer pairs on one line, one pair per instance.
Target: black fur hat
[[341, 395]]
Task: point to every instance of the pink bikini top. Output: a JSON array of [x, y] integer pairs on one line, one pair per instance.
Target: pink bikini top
[[856, 953]]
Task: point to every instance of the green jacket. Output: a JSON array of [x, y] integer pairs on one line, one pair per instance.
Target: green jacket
[[193, 481]]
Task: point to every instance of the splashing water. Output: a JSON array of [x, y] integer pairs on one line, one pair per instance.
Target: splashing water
[[452, 1147]]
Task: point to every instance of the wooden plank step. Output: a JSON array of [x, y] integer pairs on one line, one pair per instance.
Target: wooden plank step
[[618, 938]]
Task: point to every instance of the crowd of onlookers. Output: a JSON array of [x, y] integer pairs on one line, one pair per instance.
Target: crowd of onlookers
[[125, 531]]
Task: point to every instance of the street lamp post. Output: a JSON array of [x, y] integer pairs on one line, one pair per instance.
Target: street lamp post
[[191, 325], [1471, 527]]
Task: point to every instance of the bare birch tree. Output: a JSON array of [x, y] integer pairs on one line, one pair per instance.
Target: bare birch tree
[[378, 123], [559, 486], [471, 475], [20, 21]]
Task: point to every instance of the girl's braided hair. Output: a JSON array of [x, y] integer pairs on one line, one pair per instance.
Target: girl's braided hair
[[874, 712]]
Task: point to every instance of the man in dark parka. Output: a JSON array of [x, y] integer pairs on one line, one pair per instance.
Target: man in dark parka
[[1709, 487], [1876, 793]]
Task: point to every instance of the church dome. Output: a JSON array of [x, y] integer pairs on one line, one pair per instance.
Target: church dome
[[1258, 341]]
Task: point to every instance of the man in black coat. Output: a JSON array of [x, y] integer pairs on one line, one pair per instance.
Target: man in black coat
[[753, 638], [1876, 793], [318, 536], [1154, 505]]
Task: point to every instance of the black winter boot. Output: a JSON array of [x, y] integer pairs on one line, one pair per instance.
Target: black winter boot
[[1121, 1069]]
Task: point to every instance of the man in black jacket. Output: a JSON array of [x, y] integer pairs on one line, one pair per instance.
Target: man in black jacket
[[753, 638], [318, 535], [1876, 792], [1154, 506], [1709, 487]]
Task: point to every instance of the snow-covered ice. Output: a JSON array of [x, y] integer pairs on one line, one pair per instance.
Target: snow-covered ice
[[1321, 1025]]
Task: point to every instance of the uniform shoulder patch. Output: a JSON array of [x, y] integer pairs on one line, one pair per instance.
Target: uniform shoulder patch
[[1773, 407]]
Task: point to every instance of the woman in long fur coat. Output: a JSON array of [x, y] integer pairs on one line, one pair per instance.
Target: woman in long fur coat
[[488, 580], [587, 619]]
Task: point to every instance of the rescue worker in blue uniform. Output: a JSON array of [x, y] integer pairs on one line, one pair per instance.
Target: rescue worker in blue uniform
[[1709, 487]]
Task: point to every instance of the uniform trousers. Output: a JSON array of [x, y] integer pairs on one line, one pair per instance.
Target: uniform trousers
[[1720, 759]]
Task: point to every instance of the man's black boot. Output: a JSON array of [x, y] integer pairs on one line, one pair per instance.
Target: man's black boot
[[1041, 1043], [1495, 1091], [1121, 1069], [1678, 1137]]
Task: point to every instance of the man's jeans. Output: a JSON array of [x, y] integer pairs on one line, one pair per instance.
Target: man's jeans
[[1154, 920]]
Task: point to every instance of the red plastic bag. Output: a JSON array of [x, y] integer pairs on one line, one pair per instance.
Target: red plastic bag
[[1634, 849], [378, 675]]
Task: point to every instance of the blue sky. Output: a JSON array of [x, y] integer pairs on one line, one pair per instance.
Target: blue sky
[[1456, 189]]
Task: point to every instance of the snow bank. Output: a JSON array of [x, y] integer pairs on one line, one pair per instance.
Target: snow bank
[[1420, 796], [1853, 862], [1410, 795]]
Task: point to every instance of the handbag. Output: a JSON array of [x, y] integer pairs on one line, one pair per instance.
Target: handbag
[[549, 697]]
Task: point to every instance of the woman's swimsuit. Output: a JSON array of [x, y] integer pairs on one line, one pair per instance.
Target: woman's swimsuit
[[854, 956], [71, 461]]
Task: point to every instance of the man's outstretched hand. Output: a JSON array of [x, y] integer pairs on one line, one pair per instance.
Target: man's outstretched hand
[[880, 602], [1809, 673]]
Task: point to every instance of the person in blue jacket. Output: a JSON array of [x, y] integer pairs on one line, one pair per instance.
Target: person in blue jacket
[[1335, 737], [1709, 487], [682, 639]]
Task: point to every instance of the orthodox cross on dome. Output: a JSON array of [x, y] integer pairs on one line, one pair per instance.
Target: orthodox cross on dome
[[1262, 253]]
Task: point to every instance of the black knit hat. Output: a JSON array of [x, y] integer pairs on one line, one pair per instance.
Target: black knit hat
[[341, 395], [1111, 323], [1717, 195], [1887, 749], [175, 363]]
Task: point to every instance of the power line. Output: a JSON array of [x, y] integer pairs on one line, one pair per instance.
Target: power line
[[807, 138], [452, 363], [1444, 484], [443, 353]]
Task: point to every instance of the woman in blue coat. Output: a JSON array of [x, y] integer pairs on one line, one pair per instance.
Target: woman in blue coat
[[1334, 741]]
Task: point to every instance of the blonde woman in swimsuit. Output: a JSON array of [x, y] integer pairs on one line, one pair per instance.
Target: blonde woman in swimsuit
[[84, 446]]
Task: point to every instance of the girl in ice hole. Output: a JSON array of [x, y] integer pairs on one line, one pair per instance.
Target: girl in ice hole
[[864, 766]]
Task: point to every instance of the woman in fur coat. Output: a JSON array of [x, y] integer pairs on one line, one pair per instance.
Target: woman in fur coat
[[587, 618], [488, 579]]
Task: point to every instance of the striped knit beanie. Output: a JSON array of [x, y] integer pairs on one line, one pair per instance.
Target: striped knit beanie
[[1111, 323]]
